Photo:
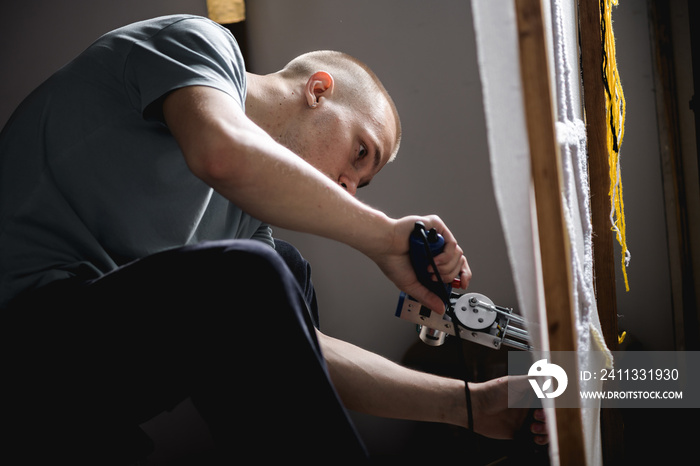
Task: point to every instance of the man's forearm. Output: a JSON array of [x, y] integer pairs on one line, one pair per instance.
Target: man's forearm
[[371, 384], [245, 165]]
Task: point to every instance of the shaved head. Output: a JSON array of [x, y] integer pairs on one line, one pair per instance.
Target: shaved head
[[354, 80]]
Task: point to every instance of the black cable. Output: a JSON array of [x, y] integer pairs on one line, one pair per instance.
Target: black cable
[[457, 325]]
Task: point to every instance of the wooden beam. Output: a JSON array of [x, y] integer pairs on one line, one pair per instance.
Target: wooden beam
[[552, 230], [685, 303], [612, 428], [599, 170]]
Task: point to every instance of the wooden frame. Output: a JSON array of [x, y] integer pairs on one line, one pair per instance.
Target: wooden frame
[[546, 173], [552, 231], [612, 428]]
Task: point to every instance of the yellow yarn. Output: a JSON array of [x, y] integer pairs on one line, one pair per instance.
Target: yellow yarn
[[621, 338], [615, 113]]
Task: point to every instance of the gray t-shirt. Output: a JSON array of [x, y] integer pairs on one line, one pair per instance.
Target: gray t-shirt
[[90, 176]]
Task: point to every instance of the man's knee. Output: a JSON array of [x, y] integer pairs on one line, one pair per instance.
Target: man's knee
[[255, 261]]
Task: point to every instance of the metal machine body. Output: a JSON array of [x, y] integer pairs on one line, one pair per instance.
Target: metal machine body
[[471, 316], [478, 320]]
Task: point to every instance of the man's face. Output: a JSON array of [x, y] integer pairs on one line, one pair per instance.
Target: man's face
[[348, 143]]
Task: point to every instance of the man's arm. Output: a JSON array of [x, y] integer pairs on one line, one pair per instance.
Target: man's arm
[[233, 155], [244, 164], [371, 384]]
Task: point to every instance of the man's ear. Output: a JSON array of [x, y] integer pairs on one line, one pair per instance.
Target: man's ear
[[320, 84]]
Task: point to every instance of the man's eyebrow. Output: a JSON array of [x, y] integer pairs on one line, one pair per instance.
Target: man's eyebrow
[[377, 156]]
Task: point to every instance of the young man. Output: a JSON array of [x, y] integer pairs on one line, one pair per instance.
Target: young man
[[137, 188]]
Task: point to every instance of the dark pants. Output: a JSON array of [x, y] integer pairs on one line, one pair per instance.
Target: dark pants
[[227, 324]]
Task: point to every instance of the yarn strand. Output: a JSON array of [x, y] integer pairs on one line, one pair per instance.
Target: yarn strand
[[615, 112]]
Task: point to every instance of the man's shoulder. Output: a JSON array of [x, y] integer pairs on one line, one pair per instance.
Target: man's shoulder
[[178, 25], [180, 22]]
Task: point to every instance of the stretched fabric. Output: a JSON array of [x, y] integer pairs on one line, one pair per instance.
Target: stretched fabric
[[499, 66]]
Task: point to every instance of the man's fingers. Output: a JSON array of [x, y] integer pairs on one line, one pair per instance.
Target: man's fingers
[[428, 299], [453, 268]]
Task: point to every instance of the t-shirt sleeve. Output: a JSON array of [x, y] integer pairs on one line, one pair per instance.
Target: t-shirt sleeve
[[189, 52], [264, 234]]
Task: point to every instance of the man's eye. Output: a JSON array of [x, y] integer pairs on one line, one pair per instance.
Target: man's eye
[[362, 152]]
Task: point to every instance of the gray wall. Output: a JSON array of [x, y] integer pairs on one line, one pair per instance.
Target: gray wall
[[425, 54]]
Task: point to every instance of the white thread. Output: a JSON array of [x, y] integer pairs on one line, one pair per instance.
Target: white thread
[[571, 135]]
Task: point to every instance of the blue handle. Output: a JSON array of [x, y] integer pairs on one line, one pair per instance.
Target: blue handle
[[423, 247]]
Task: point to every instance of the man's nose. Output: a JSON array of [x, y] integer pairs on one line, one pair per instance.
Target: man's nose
[[348, 184]]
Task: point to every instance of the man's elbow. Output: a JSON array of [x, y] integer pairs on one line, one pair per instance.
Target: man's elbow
[[219, 161], [210, 164]]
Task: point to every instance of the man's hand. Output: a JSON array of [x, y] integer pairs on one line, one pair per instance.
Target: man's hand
[[396, 264], [492, 416]]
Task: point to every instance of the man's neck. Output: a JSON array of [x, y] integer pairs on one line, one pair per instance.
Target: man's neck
[[270, 101]]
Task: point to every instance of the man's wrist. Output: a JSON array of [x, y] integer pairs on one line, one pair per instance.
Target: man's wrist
[[373, 235]]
